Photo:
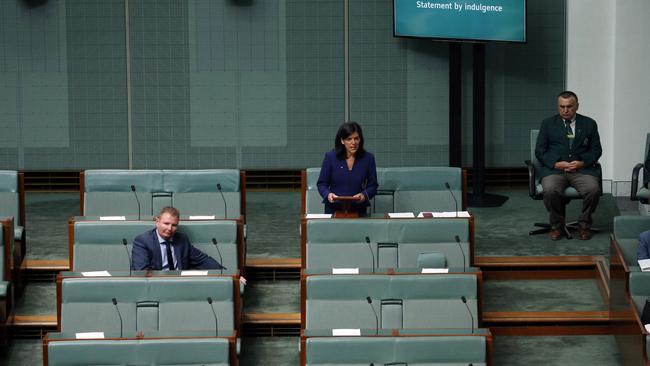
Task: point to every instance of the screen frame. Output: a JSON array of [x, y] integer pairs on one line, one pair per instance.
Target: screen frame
[[467, 40]]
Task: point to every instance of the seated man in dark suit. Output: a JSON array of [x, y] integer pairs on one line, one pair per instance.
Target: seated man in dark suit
[[152, 249], [568, 147]]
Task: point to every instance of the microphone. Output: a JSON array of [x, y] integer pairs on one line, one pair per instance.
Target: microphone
[[118, 314], [369, 300], [371, 253], [214, 241], [464, 300], [452, 196], [461, 250], [225, 205], [136, 200], [126, 249], [216, 322]]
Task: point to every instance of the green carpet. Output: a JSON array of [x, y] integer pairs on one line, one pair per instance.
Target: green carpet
[[269, 351], [556, 351], [39, 299], [46, 216], [266, 296], [542, 295], [273, 224], [503, 231]]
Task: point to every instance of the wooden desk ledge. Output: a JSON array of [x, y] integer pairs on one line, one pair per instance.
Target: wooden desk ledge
[[273, 263], [271, 318]]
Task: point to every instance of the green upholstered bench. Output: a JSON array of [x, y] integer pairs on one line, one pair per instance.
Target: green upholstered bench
[[97, 245], [394, 243], [625, 236], [165, 304], [193, 192], [172, 351], [401, 301], [12, 200], [6, 298], [446, 350], [408, 189]]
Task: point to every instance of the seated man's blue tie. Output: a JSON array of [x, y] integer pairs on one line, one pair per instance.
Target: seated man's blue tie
[[170, 257]]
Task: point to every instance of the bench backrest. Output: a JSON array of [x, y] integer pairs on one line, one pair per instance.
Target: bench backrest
[[626, 232], [401, 301], [198, 351], [193, 192], [97, 245], [394, 243], [146, 303], [10, 196], [423, 350], [405, 189]]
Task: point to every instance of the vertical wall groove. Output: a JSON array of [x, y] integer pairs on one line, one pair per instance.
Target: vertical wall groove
[[129, 110]]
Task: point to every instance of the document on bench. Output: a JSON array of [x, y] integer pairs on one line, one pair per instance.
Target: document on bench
[[345, 270], [202, 217], [340, 332], [435, 270], [444, 214], [318, 216], [644, 264], [194, 273], [96, 274], [112, 218], [401, 215], [89, 335]]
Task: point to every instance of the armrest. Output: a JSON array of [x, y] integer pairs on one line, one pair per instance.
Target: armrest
[[532, 178], [635, 182]]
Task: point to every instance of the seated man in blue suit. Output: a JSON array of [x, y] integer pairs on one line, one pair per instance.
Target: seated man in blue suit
[[152, 249], [643, 250]]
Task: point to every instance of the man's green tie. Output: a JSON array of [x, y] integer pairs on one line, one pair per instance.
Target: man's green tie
[[569, 132]]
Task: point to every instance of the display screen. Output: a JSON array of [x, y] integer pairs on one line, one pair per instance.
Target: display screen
[[487, 20]]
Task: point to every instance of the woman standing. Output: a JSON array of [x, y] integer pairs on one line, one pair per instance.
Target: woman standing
[[348, 171]]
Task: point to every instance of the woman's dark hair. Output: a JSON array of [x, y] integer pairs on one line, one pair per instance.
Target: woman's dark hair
[[347, 129]]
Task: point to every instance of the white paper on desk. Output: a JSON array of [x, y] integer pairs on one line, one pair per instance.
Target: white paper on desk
[[435, 270], [112, 218], [194, 273], [204, 217], [644, 264], [463, 214], [401, 215], [647, 327], [318, 216], [345, 270], [96, 274], [89, 335], [340, 332]]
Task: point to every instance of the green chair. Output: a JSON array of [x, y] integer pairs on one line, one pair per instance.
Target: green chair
[[641, 193], [536, 192]]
